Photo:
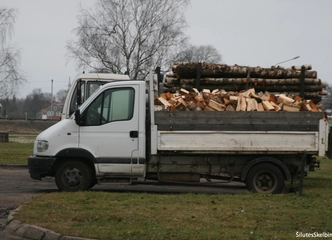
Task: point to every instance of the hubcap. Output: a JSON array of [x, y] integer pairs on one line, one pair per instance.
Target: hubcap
[[265, 182], [72, 177]]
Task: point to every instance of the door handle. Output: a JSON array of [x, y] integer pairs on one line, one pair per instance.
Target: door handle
[[133, 134]]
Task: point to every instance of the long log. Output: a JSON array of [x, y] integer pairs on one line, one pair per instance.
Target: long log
[[255, 81], [237, 88], [258, 88], [189, 70], [307, 95]]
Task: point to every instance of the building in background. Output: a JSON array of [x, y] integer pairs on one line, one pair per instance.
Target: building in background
[[52, 112]]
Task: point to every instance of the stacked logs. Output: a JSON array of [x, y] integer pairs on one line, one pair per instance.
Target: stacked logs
[[220, 100], [294, 80]]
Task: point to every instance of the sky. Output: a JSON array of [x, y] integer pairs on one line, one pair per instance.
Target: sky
[[245, 32]]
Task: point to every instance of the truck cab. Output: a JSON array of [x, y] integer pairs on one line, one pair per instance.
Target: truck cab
[[104, 139], [82, 88]]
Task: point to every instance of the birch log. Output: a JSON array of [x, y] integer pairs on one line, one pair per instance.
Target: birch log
[[256, 81], [189, 70], [258, 88]]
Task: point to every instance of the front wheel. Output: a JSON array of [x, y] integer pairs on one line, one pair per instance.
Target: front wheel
[[265, 178], [73, 176]]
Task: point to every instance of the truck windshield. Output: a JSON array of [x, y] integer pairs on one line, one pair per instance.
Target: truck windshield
[[87, 89], [86, 102]]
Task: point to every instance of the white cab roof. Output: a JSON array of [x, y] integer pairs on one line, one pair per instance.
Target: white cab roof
[[102, 76]]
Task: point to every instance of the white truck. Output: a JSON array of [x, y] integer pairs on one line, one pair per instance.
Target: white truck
[[116, 135], [82, 88]]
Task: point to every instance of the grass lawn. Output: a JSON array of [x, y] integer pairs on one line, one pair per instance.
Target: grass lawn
[[112, 215], [18, 149], [15, 152]]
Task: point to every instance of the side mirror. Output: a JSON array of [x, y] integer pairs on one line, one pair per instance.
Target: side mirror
[[78, 117]]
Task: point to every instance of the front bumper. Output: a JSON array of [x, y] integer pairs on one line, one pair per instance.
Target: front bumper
[[40, 167]]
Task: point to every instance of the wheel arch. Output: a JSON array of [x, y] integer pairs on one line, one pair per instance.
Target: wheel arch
[[76, 154], [272, 160]]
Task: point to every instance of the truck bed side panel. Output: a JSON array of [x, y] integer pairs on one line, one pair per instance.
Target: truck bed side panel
[[231, 141], [251, 132], [238, 121]]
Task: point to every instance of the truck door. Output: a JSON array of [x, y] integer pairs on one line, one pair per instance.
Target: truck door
[[110, 130]]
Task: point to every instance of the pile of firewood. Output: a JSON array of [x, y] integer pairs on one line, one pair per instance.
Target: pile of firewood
[[220, 100], [300, 80]]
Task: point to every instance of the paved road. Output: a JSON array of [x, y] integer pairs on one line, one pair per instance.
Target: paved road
[[16, 188]]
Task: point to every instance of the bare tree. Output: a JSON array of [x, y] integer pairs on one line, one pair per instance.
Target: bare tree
[[10, 74], [61, 95], [128, 35], [35, 102], [204, 53], [7, 20]]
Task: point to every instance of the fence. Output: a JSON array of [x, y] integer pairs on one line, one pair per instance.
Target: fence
[[3, 137]]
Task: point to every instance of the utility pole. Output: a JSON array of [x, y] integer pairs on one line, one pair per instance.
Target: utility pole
[[52, 99], [69, 84]]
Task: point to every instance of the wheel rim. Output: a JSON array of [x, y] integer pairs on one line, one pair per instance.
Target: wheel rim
[[72, 177], [265, 182]]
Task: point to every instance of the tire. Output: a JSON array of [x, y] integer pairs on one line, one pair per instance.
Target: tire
[[73, 176], [265, 178], [93, 183]]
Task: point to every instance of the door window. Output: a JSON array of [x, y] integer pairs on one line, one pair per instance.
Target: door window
[[112, 105]]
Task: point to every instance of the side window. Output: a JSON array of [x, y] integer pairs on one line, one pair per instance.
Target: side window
[[121, 105], [112, 105], [93, 115]]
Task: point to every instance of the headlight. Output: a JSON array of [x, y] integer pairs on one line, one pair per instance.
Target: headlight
[[42, 146]]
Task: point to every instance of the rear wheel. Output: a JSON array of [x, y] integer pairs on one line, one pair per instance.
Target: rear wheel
[[73, 176], [265, 178]]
